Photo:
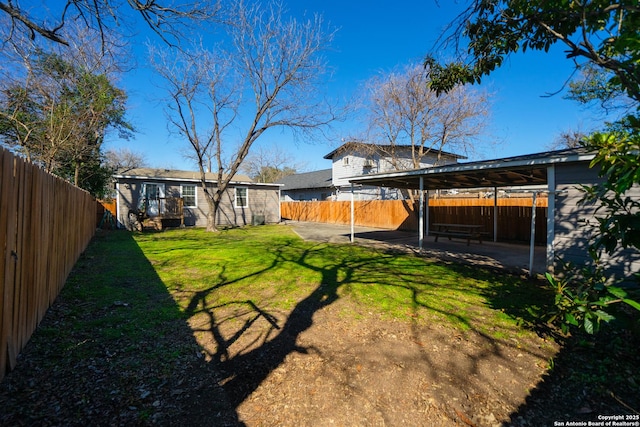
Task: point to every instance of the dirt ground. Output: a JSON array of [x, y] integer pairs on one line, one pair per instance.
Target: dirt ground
[[325, 363], [376, 372], [345, 368]]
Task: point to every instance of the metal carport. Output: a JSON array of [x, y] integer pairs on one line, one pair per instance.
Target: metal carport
[[517, 171]]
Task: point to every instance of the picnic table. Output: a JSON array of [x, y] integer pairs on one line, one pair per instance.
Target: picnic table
[[465, 231]]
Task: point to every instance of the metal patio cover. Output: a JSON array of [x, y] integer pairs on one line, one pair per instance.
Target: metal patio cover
[[506, 172]]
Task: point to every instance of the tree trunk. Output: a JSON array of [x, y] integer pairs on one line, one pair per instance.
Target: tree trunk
[[213, 211], [76, 175]]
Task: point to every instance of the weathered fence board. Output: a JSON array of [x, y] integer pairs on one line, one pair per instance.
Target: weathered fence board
[[45, 224]]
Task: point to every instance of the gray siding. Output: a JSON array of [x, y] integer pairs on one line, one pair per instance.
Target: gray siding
[[262, 200], [307, 195], [575, 223], [358, 163]]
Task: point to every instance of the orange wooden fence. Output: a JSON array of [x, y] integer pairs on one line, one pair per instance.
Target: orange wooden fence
[[514, 214], [102, 206], [45, 224]]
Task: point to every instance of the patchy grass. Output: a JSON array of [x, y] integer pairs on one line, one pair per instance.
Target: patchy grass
[[119, 346], [273, 268]]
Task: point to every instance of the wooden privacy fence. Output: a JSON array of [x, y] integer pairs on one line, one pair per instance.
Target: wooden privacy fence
[[45, 224], [102, 207], [514, 214]]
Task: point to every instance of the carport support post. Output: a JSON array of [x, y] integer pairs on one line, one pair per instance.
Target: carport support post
[[426, 213], [495, 214], [533, 234], [551, 214], [352, 214], [421, 214]]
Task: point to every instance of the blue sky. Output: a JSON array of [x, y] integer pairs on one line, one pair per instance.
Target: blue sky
[[372, 39]]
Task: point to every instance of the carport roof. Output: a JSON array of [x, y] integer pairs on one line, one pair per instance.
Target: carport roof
[[515, 171]]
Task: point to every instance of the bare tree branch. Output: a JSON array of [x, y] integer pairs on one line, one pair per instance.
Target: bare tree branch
[[404, 111], [106, 17], [269, 73]]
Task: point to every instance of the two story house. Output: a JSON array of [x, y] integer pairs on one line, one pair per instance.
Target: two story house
[[356, 159]]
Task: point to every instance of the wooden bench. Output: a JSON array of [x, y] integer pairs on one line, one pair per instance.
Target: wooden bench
[[463, 231]]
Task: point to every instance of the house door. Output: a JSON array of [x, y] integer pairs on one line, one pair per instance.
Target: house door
[[154, 193]]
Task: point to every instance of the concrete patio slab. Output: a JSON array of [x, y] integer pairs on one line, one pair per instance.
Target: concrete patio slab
[[505, 256]]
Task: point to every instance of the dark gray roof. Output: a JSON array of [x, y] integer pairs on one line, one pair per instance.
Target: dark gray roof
[[383, 148], [530, 169], [173, 175], [307, 180]]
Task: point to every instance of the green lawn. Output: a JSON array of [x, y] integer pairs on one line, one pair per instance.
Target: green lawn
[[274, 269], [133, 332]]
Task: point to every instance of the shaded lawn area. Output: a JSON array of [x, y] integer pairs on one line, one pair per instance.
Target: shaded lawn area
[[187, 325]]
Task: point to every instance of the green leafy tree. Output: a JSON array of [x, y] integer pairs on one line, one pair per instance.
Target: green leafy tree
[[601, 33], [97, 106], [593, 89], [20, 124], [58, 115], [601, 37]]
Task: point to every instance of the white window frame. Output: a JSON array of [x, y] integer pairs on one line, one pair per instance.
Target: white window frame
[[246, 198], [195, 195], [154, 206]]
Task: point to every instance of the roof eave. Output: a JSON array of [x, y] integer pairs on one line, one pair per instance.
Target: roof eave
[[194, 180]]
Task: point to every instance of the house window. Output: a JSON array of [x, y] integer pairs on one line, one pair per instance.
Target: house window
[[188, 194], [242, 201], [345, 160], [153, 198]]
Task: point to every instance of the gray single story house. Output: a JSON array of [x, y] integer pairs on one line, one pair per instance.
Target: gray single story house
[[570, 223], [176, 197]]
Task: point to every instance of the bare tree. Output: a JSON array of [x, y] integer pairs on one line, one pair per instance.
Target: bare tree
[[404, 111], [124, 158], [269, 165], [164, 17], [266, 78]]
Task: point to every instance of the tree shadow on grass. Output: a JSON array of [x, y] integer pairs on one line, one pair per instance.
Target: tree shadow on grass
[[243, 371], [115, 345], [246, 369], [589, 376], [113, 349]]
